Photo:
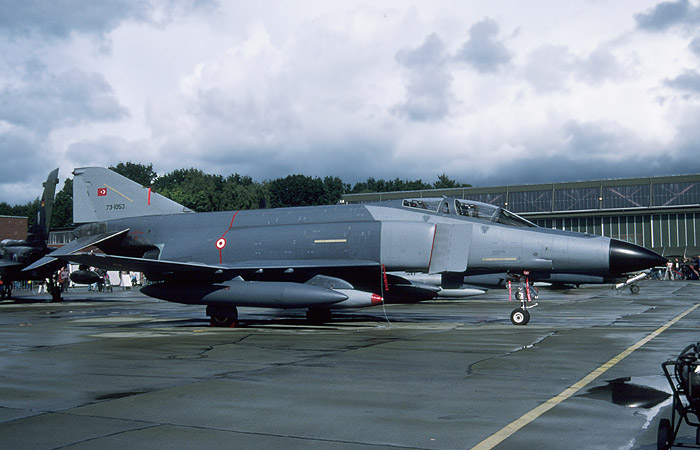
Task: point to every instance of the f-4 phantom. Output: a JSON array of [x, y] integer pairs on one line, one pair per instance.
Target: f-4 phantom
[[16, 255], [321, 257]]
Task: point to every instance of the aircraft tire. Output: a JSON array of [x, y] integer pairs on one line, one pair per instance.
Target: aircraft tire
[[520, 316], [222, 321], [634, 289], [222, 317], [318, 316], [664, 437]]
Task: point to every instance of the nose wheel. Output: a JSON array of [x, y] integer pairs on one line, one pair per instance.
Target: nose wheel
[[520, 316]]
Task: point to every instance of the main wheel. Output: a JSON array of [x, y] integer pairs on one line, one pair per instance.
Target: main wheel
[[318, 316], [520, 316], [55, 292], [664, 437], [222, 317], [634, 289], [222, 321]]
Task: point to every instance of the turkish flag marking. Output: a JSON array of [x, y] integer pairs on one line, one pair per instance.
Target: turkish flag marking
[[101, 192]]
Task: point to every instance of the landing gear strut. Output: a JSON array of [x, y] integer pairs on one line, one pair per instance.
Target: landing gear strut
[[521, 316], [222, 316]]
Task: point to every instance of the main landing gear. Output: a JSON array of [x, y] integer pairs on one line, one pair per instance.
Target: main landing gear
[[222, 316], [318, 316], [524, 294]]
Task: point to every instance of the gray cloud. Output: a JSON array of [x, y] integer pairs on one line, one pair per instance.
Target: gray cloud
[[688, 81], [25, 160], [483, 51], [428, 81], [668, 14], [64, 99], [595, 139], [694, 46], [599, 66], [553, 68], [594, 151], [549, 68], [59, 18]]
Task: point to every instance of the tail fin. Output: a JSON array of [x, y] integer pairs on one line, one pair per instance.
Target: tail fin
[[40, 229], [101, 194]]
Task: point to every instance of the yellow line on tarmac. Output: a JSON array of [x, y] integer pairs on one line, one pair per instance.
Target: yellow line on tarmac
[[510, 429]]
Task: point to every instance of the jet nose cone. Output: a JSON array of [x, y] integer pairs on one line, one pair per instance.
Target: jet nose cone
[[626, 257]]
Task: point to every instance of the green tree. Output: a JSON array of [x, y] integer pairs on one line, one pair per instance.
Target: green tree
[[295, 190], [241, 192], [444, 182], [333, 190], [192, 188], [140, 173], [62, 216]]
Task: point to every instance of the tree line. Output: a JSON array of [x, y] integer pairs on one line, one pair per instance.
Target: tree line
[[203, 192]]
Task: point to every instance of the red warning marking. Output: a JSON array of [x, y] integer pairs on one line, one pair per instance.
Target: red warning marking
[[149, 196], [386, 282], [376, 299]]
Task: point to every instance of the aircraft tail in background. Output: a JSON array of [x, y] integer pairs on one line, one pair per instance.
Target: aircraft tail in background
[[39, 234]]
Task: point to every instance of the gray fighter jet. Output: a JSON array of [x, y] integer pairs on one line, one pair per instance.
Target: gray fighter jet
[[16, 255], [322, 257]]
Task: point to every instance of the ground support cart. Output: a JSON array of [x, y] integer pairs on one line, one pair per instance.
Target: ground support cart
[[683, 374]]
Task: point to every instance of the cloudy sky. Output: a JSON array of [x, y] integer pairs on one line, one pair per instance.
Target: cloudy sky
[[490, 93]]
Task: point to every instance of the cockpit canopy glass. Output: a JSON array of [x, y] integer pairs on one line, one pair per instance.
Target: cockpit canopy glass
[[470, 208]]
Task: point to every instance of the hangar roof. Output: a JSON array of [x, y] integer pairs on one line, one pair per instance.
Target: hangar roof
[[580, 197]]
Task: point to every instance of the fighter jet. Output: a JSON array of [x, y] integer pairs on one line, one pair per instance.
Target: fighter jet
[[16, 255], [319, 258]]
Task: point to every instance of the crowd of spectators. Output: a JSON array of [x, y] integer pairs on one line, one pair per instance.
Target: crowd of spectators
[[681, 268]]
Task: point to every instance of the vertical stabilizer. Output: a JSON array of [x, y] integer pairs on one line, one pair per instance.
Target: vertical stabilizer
[[100, 194], [40, 230]]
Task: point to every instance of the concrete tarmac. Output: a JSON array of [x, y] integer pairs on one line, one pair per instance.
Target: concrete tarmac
[[120, 370]]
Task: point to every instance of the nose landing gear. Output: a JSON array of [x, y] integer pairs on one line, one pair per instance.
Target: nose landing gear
[[521, 316]]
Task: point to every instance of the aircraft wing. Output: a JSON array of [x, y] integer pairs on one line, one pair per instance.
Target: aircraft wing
[[207, 271]]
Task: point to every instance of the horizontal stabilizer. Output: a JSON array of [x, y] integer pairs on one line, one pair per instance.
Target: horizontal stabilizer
[[84, 242], [39, 263], [7, 263]]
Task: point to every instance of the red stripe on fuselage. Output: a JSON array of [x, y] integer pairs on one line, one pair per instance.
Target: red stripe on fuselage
[[224, 235]]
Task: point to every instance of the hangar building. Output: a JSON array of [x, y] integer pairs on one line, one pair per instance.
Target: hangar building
[[659, 213]]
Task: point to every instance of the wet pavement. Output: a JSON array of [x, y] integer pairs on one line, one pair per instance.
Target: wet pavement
[[116, 370]]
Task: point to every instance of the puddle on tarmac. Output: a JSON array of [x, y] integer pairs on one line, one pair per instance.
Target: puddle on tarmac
[[621, 392]]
